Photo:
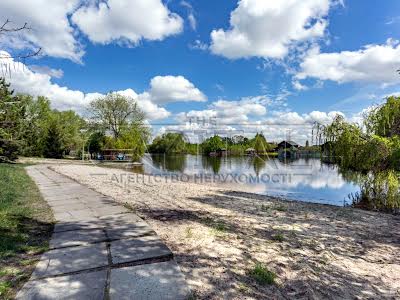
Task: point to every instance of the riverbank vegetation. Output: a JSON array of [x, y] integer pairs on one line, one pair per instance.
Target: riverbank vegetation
[[26, 225], [372, 148], [175, 143]]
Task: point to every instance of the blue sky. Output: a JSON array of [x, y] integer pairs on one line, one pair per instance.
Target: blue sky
[[239, 61]]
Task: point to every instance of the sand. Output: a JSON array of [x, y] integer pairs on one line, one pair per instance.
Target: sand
[[219, 234]]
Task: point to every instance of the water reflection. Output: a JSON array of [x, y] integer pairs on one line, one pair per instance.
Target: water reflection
[[302, 179], [168, 163]]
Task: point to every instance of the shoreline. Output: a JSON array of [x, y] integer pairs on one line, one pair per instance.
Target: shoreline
[[218, 235]]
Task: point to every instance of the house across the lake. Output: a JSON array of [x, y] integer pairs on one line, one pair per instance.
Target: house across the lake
[[287, 145]]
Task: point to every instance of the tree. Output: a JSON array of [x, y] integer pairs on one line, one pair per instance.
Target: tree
[[116, 112], [53, 147], [307, 144], [212, 144], [11, 113], [384, 120], [135, 138], [6, 29], [168, 143], [96, 142], [260, 144], [70, 125]]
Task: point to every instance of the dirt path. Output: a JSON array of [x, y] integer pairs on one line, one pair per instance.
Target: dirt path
[[218, 235]]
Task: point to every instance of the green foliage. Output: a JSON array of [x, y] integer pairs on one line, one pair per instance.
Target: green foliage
[[260, 144], [169, 143], [212, 144], [384, 120], [95, 142], [380, 191], [116, 113], [53, 145], [11, 118], [134, 137], [262, 275], [375, 151]]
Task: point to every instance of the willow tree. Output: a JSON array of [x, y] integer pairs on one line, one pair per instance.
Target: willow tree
[[384, 120]]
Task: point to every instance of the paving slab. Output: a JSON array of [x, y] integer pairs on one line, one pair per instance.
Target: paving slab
[[101, 211], [78, 225], [77, 238], [72, 206], [136, 249], [77, 215], [158, 281], [125, 225], [78, 287], [67, 260]]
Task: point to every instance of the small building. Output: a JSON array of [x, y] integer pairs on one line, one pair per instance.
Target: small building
[[250, 151], [287, 145]]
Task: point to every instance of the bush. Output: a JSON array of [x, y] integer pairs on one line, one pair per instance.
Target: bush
[[8, 150]]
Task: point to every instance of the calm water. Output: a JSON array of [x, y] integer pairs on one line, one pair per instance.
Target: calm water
[[303, 179]]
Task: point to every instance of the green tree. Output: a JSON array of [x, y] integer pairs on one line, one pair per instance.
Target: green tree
[[134, 138], [116, 112], [168, 143], [260, 144], [53, 147], [11, 117], [384, 120], [212, 144]]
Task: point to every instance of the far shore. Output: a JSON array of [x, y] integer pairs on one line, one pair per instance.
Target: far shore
[[219, 234]]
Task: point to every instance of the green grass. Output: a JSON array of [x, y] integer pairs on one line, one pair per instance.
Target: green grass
[[262, 275], [281, 207], [278, 237], [25, 227]]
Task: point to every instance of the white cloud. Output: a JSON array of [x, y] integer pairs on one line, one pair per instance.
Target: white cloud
[[164, 89], [54, 73], [152, 111], [25, 80], [191, 18], [124, 21], [269, 28], [226, 112], [51, 29], [127, 20], [298, 86], [373, 63], [198, 45]]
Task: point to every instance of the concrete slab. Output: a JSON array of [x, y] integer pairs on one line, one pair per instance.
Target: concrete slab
[[76, 215], [78, 225], [125, 225], [66, 260], [131, 250], [110, 210], [73, 206], [158, 281], [79, 287], [76, 238]]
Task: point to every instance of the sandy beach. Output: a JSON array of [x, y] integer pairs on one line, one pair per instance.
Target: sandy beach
[[219, 234]]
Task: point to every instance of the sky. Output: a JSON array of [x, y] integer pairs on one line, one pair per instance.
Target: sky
[[247, 66]]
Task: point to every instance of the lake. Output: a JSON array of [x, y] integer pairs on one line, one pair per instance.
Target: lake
[[303, 179]]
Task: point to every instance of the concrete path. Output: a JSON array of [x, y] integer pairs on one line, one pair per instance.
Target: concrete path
[[99, 250]]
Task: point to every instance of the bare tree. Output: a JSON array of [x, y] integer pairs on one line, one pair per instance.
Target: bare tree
[[6, 29]]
